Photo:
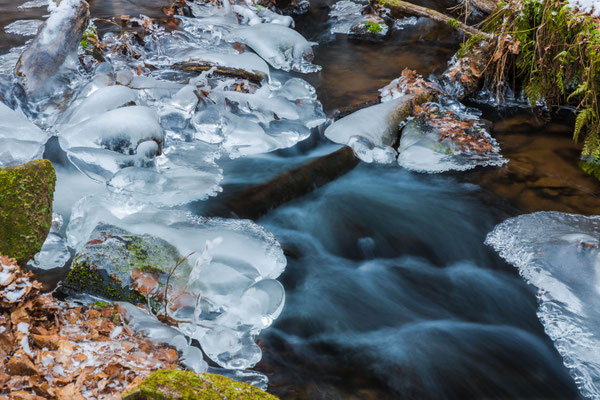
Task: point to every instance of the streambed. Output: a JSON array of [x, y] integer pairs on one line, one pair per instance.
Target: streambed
[[390, 290]]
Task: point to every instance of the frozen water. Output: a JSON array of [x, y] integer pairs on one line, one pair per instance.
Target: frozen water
[[230, 293], [22, 141], [184, 172], [24, 27], [559, 254], [422, 150], [345, 14], [282, 47], [100, 100], [105, 143], [268, 16], [587, 6], [34, 4], [375, 126], [143, 322], [54, 253]]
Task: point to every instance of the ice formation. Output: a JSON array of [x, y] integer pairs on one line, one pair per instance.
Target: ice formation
[[370, 131], [54, 252], [587, 6], [448, 139], [437, 137], [345, 14], [559, 254], [24, 27], [22, 141], [230, 290], [280, 46], [34, 4], [152, 136]]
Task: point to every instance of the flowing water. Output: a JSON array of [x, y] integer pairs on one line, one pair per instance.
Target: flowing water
[[390, 290]]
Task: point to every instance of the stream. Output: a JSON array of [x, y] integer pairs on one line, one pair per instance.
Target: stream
[[390, 291]]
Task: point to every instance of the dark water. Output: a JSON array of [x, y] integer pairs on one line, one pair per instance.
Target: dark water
[[390, 290]]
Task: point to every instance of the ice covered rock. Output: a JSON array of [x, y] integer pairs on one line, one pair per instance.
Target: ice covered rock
[[283, 48], [369, 27], [372, 128], [102, 145], [439, 140], [559, 254], [109, 257], [57, 39], [22, 141], [227, 292]]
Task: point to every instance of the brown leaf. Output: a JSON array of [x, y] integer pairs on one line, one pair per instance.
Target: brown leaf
[[20, 364], [47, 341]]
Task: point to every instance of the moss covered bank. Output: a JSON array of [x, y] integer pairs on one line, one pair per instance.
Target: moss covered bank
[[187, 385]]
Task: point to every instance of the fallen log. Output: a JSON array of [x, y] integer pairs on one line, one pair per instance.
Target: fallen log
[[220, 70], [258, 200], [57, 39], [485, 6], [400, 8]]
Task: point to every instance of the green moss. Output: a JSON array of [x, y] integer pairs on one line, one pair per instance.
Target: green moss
[[373, 27], [454, 23], [89, 279], [469, 44], [89, 33], [554, 52], [100, 305], [26, 195], [187, 385]]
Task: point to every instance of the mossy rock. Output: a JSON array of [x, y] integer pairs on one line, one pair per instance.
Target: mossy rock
[[26, 195], [186, 385], [105, 264]]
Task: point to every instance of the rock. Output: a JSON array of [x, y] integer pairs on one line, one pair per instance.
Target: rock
[[371, 27], [176, 385], [108, 260], [26, 194]]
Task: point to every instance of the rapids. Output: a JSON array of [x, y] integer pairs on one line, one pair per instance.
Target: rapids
[[390, 291]]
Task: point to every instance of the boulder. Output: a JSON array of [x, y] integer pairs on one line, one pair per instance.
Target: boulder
[[187, 385], [26, 195], [109, 260]]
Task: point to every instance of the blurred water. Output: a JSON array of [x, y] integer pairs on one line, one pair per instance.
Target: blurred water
[[391, 292], [388, 276]]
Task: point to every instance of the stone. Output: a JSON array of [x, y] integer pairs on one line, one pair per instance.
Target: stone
[[26, 195], [105, 265], [187, 385]]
